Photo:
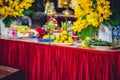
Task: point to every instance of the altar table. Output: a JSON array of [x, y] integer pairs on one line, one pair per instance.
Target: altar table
[[54, 62]]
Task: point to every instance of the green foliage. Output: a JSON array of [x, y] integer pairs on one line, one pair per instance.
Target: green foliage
[[115, 8], [87, 32], [64, 24], [28, 12], [84, 17], [96, 42], [7, 21], [105, 22], [115, 18], [94, 5]]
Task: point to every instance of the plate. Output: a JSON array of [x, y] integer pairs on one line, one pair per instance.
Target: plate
[[101, 47], [45, 40]]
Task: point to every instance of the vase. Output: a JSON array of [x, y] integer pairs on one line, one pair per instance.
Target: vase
[[105, 33], [3, 29]]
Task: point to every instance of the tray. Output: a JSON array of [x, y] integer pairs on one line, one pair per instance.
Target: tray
[[101, 47], [45, 40]]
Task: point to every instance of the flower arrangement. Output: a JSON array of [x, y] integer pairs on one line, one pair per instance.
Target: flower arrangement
[[10, 9], [90, 14]]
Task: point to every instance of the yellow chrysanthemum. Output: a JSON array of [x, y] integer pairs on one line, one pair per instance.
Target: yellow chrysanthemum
[[95, 13], [14, 7]]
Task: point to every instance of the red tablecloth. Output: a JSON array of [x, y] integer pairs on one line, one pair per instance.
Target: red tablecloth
[[52, 62]]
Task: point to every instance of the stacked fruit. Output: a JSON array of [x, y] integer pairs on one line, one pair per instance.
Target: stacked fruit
[[48, 36], [64, 37]]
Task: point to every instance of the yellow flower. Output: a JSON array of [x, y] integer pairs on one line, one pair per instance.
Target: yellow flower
[[84, 45], [14, 7], [88, 38], [89, 13]]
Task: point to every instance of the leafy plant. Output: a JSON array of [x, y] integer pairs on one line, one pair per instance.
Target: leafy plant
[[90, 31], [96, 42], [64, 25]]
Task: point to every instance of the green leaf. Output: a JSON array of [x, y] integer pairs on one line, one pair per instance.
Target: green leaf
[[115, 20], [105, 22], [115, 17], [87, 32], [8, 21], [84, 17], [28, 12], [97, 42], [94, 4]]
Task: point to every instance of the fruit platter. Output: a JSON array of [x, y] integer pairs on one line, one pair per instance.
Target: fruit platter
[[64, 38]]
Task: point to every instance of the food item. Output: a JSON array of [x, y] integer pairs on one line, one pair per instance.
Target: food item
[[64, 37], [52, 36], [96, 42], [45, 36], [57, 37]]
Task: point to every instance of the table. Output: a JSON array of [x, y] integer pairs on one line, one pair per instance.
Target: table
[[54, 62]]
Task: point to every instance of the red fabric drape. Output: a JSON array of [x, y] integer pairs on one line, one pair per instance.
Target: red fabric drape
[[52, 62]]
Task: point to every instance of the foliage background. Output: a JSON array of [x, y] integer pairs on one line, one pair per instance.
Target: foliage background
[[115, 8]]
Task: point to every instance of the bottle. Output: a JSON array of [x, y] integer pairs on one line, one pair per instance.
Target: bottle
[[69, 25]]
